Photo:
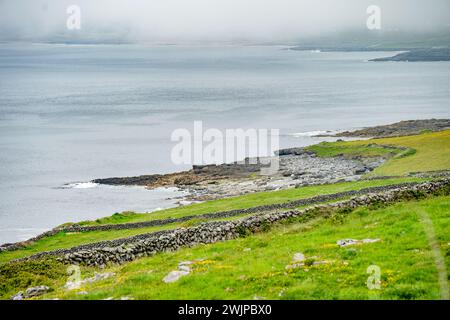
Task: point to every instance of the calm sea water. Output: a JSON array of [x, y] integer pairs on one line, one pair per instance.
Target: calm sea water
[[70, 114]]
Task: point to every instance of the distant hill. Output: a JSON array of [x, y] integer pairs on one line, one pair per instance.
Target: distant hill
[[376, 41]]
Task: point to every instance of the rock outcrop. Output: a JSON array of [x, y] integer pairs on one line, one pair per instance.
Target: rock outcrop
[[402, 128], [31, 293]]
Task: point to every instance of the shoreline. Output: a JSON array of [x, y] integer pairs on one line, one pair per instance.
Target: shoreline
[[298, 167]]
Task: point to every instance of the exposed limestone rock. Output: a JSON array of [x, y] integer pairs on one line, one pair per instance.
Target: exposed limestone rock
[[350, 242], [18, 296], [71, 285], [299, 257], [173, 276], [297, 167], [31, 292], [401, 128]]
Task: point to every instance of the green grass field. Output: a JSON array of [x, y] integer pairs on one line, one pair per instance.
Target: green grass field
[[255, 266]]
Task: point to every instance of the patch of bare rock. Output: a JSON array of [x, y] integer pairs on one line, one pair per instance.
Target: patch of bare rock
[[31, 293], [297, 167]]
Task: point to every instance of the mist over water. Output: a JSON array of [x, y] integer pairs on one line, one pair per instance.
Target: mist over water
[[70, 114], [217, 21]]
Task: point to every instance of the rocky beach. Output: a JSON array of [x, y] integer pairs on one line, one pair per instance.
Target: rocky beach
[[297, 167], [402, 128]]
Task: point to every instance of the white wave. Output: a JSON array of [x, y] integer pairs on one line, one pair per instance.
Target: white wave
[[81, 185], [188, 202], [169, 189], [310, 133]]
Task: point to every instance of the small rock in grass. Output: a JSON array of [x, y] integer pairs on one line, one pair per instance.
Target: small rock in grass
[[370, 240], [298, 257], [185, 268], [35, 291], [298, 261], [349, 242], [175, 276], [346, 242], [101, 276], [18, 296], [71, 285]]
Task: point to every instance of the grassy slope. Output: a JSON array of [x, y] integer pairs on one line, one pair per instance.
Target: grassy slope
[[408, 270], [364, 148], [432, 153], [67, 240]]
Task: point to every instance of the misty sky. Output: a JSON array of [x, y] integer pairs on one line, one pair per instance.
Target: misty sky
[[212, 20]]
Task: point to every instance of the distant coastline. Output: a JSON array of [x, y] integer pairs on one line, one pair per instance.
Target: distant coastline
[[406, 54], [348, 49], [398, 129]]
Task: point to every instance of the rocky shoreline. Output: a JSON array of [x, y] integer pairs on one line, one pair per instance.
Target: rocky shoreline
[[297, 167], [398, 129]]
